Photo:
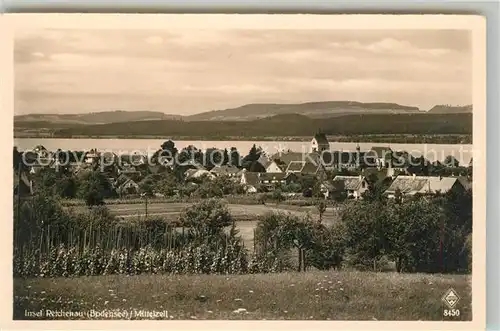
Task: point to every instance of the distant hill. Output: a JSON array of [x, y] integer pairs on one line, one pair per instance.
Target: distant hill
[[447, 109], [284, 125], [95, 118], [310, 109]]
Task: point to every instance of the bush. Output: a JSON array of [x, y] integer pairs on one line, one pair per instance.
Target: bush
[[208, 217]]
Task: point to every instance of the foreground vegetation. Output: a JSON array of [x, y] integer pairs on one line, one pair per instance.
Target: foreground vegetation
[[341, 295]]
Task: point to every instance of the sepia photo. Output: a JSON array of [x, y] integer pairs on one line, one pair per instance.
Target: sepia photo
[[247, 167]]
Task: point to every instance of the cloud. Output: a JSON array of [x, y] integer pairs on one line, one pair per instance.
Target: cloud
[[197, 70]]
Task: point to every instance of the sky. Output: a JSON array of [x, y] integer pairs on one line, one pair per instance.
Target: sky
[[191, 71]]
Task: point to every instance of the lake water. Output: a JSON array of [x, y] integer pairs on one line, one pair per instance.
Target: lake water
[[432, 152]]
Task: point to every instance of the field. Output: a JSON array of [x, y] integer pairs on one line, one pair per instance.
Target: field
[[246, 216], [330, 295]]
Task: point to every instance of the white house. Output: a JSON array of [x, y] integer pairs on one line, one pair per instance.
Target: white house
[[274, 167]]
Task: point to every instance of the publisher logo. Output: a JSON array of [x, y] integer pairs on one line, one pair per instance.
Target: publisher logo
[[451, 298]]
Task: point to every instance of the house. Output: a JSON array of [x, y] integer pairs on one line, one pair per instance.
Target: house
[[319, 143], [250, 181], [354, 186], [412, 185], [129, 170], [332, 189], [465, 182], [225, 170], [275, 166], [125, 185]]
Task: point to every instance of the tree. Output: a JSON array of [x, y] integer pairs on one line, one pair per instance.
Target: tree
[[321, 207], [252, 157], [234, 157], [206, 218], [278, 196], [94, 187], [169, 145]]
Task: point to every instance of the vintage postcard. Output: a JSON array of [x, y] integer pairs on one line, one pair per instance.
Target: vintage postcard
[[322, 171]]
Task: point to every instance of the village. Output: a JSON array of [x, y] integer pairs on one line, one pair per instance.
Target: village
[[320, 172]]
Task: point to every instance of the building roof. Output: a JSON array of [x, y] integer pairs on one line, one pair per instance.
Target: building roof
[[303, 167], [225, 170], [335, 185], [287, 157], [122, 180], [411, 185], [350, 182], [321, 139], [466, 182]]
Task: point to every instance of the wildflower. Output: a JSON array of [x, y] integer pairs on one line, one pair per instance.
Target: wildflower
[[341, 289], [317, 295], [193, 317], [238, 300], [124, 300], [317, 289], [292, 285], [106, 302], [286, 311], [339, 282], [329, 282], [209, 311], [218, 300], [110, 291], [250, 291], [43, 292]]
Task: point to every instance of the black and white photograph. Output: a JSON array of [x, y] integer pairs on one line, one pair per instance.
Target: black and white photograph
[[274, 167]]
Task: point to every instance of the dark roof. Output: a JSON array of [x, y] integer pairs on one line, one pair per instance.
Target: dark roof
[[466, 182], [252, 178], [303, 167], [321, 139], [295, 166], [287, 157], [335, 186]]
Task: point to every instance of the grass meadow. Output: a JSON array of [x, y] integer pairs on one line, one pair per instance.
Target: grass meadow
[[332, 295]]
